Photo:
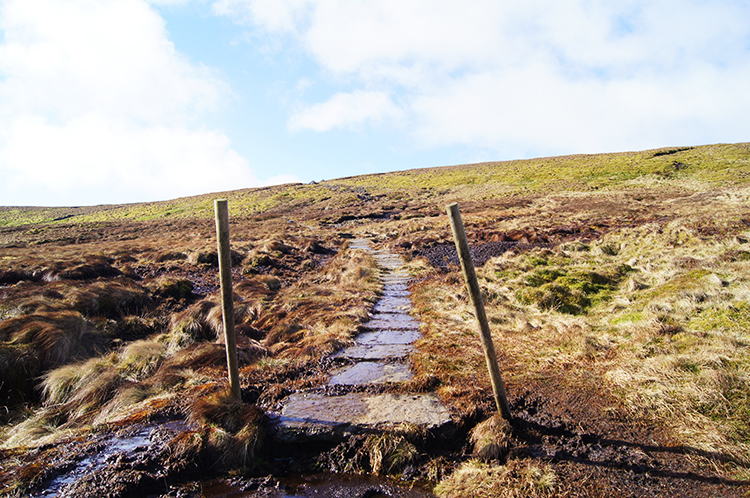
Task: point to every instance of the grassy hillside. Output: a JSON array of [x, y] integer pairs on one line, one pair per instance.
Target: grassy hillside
[[617, 287], [686, 167]]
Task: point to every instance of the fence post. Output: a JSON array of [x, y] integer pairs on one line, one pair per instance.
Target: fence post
[[462, 247], [227, 304]]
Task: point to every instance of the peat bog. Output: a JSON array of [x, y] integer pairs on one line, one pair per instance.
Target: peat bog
[[617, 288]]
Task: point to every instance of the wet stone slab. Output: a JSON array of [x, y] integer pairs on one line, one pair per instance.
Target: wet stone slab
[[392, 280], [393, 305], [392, 321], [369, 372], [396, 293], [388, 337], [307, 416], [395, 288], [375, 351]]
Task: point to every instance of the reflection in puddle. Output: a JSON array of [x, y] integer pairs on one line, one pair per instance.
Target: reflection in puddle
[[109, 448]]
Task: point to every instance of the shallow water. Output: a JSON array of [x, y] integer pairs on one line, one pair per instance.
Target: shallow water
[[112, 447], [107, 450]]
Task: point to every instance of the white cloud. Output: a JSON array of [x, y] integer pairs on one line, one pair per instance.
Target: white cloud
[[563, 75], [347, 110], [274, 15], [98, 106], [95, 158]]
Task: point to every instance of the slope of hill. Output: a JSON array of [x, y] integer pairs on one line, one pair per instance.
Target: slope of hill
[[617, 286]]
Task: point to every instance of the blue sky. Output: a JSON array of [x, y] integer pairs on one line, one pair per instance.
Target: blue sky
[[116, 101]]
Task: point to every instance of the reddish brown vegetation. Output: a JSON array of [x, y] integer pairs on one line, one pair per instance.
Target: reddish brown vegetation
[[138, 301]]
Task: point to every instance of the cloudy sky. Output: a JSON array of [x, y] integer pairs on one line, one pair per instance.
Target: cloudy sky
[[115, 101]]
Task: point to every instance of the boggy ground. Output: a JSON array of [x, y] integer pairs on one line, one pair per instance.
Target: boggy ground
[[619, 314]]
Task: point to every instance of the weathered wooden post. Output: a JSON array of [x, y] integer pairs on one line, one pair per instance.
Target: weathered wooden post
[[227, 304], [470, 275]]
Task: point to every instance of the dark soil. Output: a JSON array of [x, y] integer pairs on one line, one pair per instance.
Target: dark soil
[[444, 255], [596, 455]]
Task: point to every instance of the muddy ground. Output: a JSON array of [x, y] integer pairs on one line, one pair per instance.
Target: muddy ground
[[574, 427]]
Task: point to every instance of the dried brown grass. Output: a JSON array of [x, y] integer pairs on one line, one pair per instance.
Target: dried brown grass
[[669, 341], [491, 438], [389, 452], [517, 479], [231, 432], [111, 298], [319, 314], [55, 335]]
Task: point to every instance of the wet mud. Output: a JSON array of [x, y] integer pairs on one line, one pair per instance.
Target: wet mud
[[300, 486], [128, 463]]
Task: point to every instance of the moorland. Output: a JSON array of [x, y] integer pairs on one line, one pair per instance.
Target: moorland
[[617, 287]]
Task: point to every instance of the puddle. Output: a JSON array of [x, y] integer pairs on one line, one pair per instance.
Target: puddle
[[348, 487], [109, 448], [112, 447]]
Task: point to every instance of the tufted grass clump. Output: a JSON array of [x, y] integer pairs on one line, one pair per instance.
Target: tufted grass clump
[[491, 438], [229, 432], [569, 290], [517, 479], [389, 452]]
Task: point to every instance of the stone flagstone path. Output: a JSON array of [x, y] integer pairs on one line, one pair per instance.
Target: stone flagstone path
[[379, 356]]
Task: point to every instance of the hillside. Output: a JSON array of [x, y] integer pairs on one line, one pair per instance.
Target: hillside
[[617, 288]]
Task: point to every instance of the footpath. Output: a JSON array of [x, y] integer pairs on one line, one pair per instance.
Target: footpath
[[379, 357]]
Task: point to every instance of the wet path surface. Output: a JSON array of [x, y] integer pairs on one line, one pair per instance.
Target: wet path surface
[[139, 445], [352, 403], [379, 356]]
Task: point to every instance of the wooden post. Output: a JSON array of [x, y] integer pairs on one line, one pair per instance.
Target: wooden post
[[227, 304], [462, 246]]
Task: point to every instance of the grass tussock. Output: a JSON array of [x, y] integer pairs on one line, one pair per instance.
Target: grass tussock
[[133, 383], [230, 433], [517, 479], [201, 322], [110, 299], [491, 438], [389, 452], [54, 336]]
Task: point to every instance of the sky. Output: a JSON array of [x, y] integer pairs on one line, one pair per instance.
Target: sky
[[120, 101]]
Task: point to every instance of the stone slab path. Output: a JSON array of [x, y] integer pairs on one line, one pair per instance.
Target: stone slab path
[[379, 356]]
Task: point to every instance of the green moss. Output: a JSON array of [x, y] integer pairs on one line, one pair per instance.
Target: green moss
[[733, 319], [572, 290], [679, 284], [537, 261], [543, 276]]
